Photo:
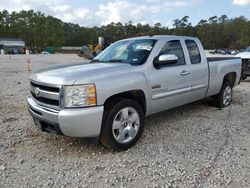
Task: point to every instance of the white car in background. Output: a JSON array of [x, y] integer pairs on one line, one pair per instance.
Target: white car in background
[[245, 56]]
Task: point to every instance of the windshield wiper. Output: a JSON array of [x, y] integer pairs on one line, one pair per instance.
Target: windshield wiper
[[109, 61], [115, 60]]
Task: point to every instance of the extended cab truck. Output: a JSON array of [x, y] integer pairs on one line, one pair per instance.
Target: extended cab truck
[[108, 97]]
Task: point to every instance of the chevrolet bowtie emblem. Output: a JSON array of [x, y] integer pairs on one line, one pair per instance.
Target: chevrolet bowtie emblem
[[37, 91]]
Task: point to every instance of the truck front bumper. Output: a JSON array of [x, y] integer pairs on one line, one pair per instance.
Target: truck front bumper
[[81, 123]]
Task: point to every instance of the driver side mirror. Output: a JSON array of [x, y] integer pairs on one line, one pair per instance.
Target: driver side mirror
[[165, 60]]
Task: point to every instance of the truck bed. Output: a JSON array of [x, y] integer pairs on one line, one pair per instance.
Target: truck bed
[[218, 68], [213, 59]]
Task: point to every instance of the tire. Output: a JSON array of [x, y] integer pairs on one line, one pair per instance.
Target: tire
[[243, 77], [122, 124], [224, 98]]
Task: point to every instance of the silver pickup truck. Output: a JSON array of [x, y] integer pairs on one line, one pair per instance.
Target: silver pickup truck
[[108, 97]]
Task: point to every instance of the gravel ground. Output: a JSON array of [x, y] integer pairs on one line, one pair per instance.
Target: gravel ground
[[196, 145]]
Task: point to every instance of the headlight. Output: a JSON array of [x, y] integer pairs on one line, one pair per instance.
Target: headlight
[[79, 96]]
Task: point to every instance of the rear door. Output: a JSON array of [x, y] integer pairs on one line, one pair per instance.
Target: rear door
[[198, 68]]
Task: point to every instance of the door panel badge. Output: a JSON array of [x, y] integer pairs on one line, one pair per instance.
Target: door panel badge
[[156, 86]]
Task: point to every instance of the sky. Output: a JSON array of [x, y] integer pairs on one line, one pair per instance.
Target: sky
[[102, 12]]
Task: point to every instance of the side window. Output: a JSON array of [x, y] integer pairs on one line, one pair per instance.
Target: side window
[[174, 47], [193, 50]]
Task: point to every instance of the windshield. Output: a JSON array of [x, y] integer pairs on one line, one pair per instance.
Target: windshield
[[135, 52], [248, 49]]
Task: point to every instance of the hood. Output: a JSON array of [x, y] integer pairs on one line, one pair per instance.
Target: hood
[[86, 72], [244, 55]]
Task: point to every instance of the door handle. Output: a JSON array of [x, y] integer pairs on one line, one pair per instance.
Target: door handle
[[184, 73], [156, 86]]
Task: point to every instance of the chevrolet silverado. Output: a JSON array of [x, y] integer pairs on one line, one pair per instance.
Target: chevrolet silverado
[[107, 98]]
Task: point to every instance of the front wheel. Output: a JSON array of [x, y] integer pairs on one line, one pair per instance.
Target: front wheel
[[122, 124], [224, 98]]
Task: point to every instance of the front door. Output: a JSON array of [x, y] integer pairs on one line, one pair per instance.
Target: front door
[[170, 85]]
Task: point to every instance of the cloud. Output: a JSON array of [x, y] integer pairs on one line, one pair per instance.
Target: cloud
[[82, 15], [241, 2], [61, 8], [65, 12], [143, 11], [17, 5], [121, 11], [124, 11]]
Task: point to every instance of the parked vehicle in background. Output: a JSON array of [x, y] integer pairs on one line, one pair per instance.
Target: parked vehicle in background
[[109, 97], [234, 52], [224, 52], [50, 50], [245, 56], [45, 53], [86, 52], [12, 46]]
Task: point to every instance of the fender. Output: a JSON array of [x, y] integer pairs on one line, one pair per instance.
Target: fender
[[116, 84]]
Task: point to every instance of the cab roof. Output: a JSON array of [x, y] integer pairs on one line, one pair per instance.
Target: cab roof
[[157, 37]]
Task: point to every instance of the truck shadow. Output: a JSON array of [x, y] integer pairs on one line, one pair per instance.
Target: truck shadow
[[156, 122], [180, 111], [162, 121]]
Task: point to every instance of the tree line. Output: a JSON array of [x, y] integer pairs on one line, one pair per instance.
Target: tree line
[[40, 31]]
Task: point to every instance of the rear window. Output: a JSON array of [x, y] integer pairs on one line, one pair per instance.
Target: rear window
[[193, 50]]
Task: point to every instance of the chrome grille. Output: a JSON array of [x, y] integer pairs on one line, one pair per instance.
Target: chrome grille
[[44, 95]]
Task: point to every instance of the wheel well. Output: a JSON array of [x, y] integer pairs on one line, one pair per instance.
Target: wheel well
[[245, 62], [137, 95], [230, 77]]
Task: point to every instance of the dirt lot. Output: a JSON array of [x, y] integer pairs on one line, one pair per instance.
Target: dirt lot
[[196, 145]]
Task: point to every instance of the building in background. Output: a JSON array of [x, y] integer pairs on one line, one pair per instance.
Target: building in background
[[12, 46]]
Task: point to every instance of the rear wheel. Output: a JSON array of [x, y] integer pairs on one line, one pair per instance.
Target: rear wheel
[[243, 77], [224, 98], [122, 124]]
